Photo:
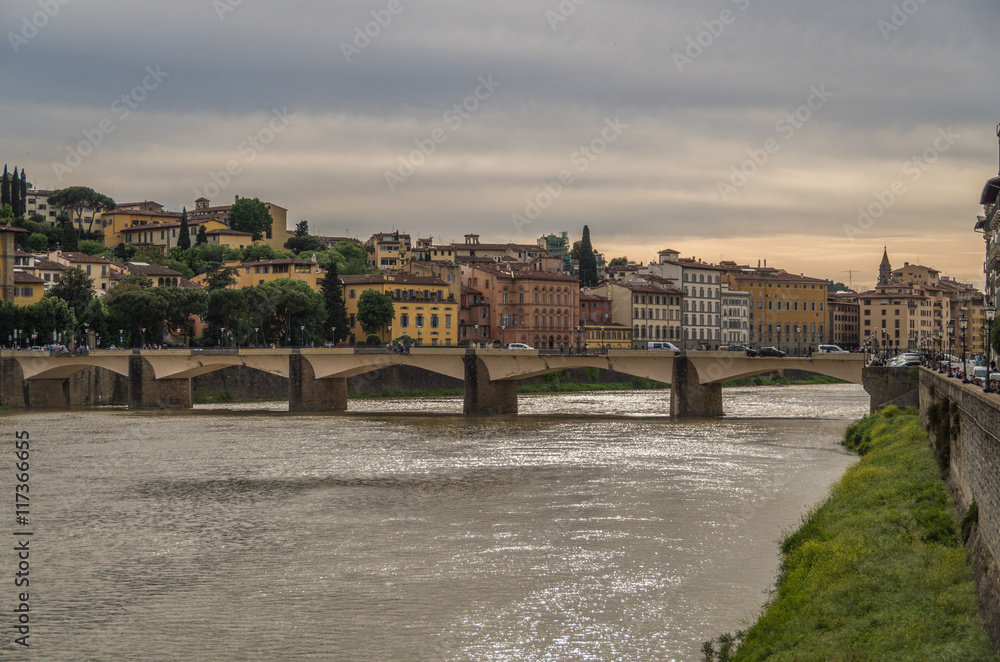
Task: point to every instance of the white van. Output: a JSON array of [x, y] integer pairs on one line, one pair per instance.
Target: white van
[[831, 349], [669, 346]]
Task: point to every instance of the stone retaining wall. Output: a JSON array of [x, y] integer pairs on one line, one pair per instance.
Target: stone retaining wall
[[964, 424]]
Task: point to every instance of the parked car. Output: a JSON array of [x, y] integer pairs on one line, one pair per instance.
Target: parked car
[[831, 349], [771, 351], [750, 351], [519, 345], [668, 346]]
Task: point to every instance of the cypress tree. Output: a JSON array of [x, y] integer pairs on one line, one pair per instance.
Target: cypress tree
[[24, 194], [202, 237], [5, 188], [69, 240], [15, 194], [588, 263], [336, 321], [184, 240]]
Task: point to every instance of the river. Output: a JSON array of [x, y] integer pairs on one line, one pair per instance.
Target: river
[[590, 527]]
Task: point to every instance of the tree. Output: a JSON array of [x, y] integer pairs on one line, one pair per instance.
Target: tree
[[837, 287], [6, 213], [336, 323], [588, 263], [619, 261], [375, 311], [79, 198], [68, 239], [181, 306], [184, 239], [89, 247], [37, 243], [15, 194], [76, 288], [302, 228], [302, 243], [202, 237], [50, 317], [5, 188], [293, 304], [252, 216], [24, 195], [219, 277], [140, 311], [574, 252]]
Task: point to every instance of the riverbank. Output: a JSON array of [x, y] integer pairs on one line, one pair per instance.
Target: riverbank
[[878, 572]]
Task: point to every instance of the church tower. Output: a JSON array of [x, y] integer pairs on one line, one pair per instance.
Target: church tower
[[885, 269]]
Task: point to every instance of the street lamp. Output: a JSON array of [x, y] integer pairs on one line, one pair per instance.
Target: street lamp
[[476, 327], [121, 338], [302, 335], [991, 313], [256, 342], [333, 332], [963, 324]]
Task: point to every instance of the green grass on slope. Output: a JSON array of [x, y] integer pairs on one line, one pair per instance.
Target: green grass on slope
[[877, 572]]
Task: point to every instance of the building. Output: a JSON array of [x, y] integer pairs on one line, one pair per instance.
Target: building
[[702, 286], [388, 250], [651, 310], [508, 252], [787, 311], [844, 321], [8, 254], [527, 305], [424, 310], [274, 237], [98, 268], [28, 288], [443, 270], [249, 274], [735, 316], [133, 214], [164, 235]]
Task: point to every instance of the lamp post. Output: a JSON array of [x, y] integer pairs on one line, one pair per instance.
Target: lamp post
[[951, 334], [963, 324], [991, 313], [255, 341], [302, 335], [476, 341], [333, 332], [121, 337]]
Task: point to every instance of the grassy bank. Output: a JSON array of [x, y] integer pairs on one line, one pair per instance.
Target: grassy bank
[[878, 571]]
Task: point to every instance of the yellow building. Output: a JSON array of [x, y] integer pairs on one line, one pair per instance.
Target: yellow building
[[133, 214], [28, 288], [275, 237], [610, 336], [248, 274], [425, 311], [165, 235], [8, 254], [388, 250], [786, 311], [98, 268]]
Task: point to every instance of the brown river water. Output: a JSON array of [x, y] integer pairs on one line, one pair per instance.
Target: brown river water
[[589, 527]]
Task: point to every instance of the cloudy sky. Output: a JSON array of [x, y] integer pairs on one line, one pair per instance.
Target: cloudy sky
[[732, 129]]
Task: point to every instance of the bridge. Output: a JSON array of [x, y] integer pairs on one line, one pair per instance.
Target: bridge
[[317, 378]]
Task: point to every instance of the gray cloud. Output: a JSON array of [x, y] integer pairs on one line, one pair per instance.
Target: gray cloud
[[688, 125]]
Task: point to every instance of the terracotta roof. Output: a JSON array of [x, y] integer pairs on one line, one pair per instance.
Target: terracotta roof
[[190, 285], [25, 277], [150, 269], [83, 257], [48, 265], [10, 228], [389, 279], [229, 231], [282, 261]]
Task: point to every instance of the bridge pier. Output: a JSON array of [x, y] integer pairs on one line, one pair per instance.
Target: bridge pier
[[145, 391], [13, 388], [689, 398], [308, 394], [484, 397]]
